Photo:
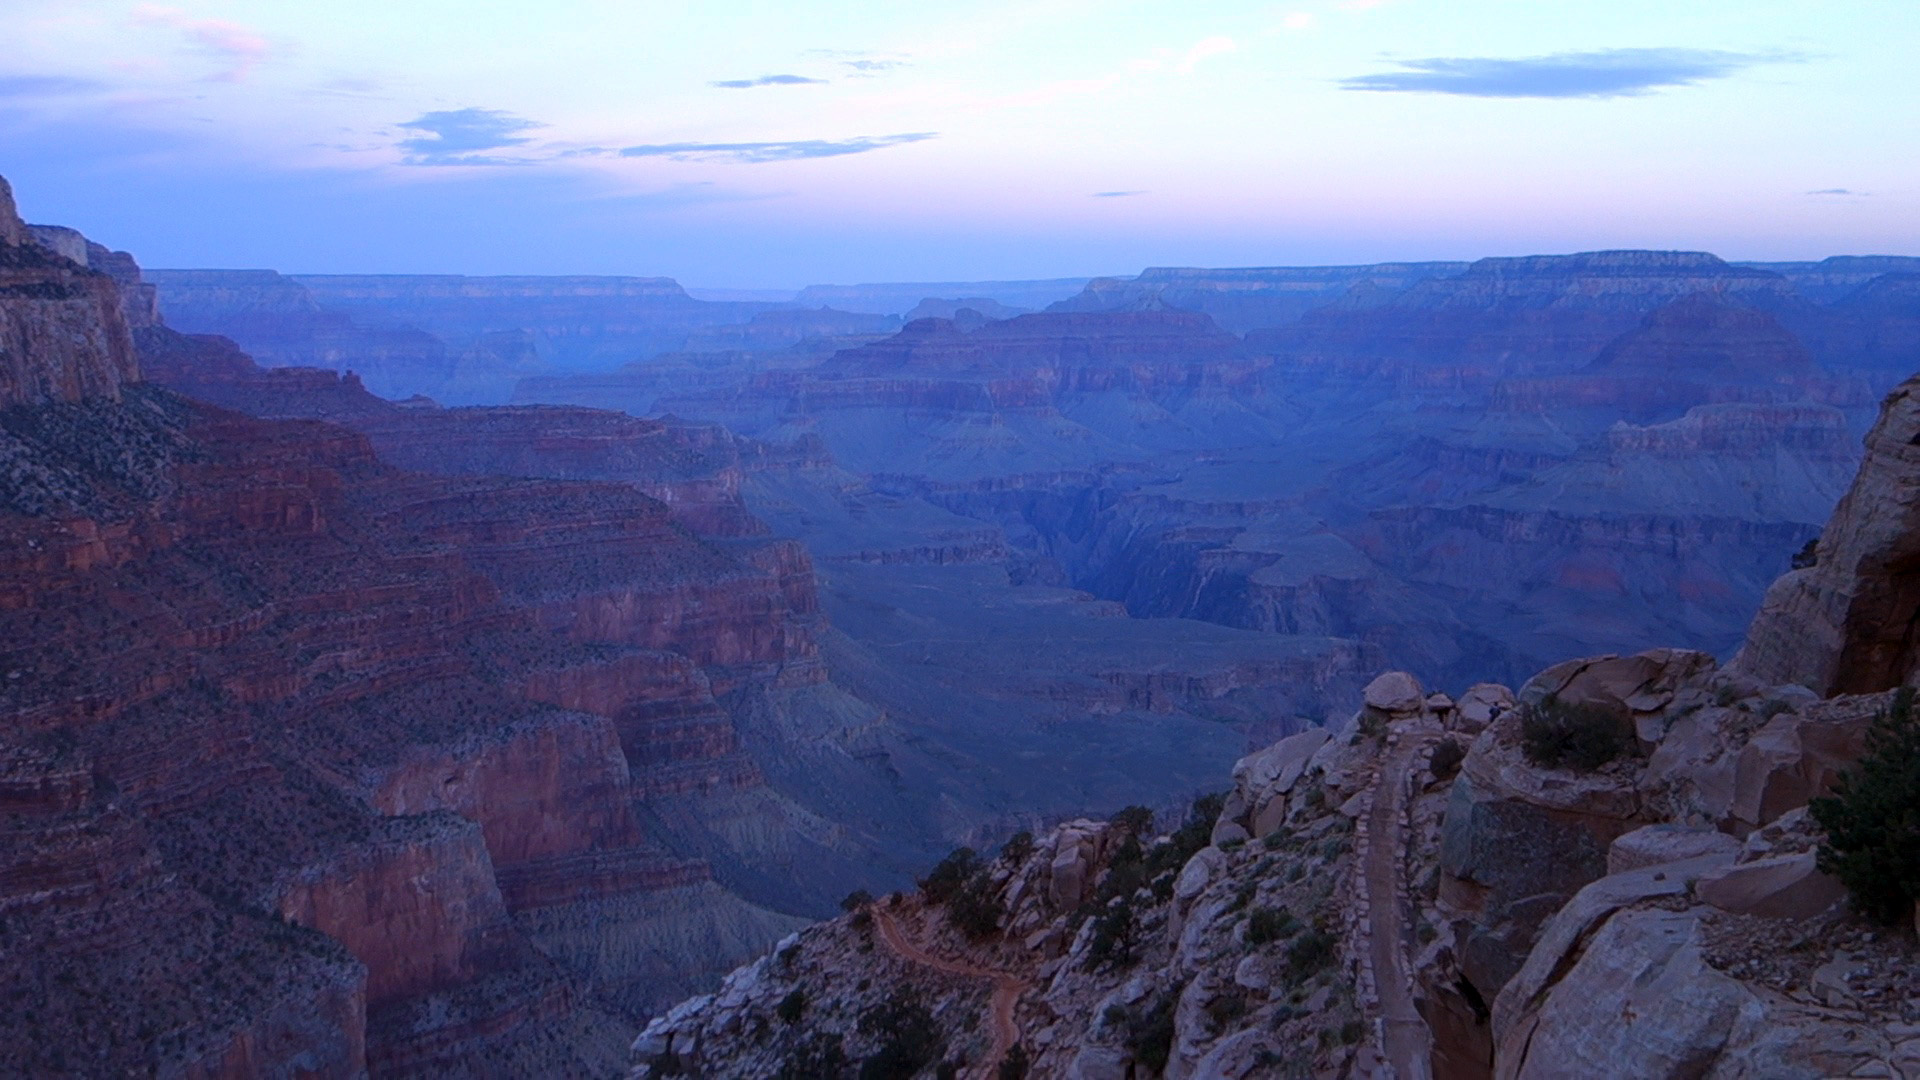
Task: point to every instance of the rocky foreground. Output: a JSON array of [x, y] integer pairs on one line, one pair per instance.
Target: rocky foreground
[[1437, 889]]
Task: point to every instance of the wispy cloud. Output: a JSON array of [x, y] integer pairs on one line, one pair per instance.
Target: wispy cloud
[[1116, 194], [862, 64], [1601, 74], [1840, 191], [756, 153], [32, 86], [463, 137], [766, 80], [237, 47]]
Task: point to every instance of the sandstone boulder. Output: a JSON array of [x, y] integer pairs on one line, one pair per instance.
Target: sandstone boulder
[[1653, 845], [1516, 843], [1262, 781], [1643, 683], [1480, 705], [1395, 692], [1781, 887]]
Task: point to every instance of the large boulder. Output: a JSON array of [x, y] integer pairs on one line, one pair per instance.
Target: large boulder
[[1781, 887], [1263, 780], [1395, 692], [1640, 684], [1652, 845], [1517, 841]]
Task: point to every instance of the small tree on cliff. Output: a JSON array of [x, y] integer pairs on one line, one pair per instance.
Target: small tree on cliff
[[1873, 818]]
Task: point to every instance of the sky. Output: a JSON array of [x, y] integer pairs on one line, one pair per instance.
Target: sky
[[741, 144]]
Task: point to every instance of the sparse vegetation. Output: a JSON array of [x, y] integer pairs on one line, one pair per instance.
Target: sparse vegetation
[[792, 1007], [1309, 954], [964, 884], [909, 1040], [1115, 934], [1567, 735], [1017, 849], [820, 1057], [1808, 556], [856, 900], [1149, 1032], [1873, 818], [1015, 1065], [1270, 924], [1446, 759]]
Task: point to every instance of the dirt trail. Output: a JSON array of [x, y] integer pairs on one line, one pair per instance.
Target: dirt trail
[[1409, 1043], [1007, 987]]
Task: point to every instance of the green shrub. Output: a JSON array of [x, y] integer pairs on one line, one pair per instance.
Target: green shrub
[[1446, 759], [949, 875], [975, 909], [1873, 818], [1017, 849], [909, 1040], [1308, 955], [1808, 556], [1150, 1032], [856, 900], [1137, 820], [821, 1057], [1115, 933], [792, 1007], [1224, 1009], [1015, 1065], [1563, 735], [1270, 924]]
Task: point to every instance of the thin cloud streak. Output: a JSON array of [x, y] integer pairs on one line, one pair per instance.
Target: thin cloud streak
[[767, 80], [759, 153], [1604, 73]]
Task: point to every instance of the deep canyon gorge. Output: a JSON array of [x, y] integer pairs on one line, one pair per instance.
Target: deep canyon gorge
[[467, 672]]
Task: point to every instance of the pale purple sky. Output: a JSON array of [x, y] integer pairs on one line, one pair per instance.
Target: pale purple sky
[[752, 144]]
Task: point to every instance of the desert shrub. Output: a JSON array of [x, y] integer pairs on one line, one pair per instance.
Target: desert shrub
[[1308, 955], [792, 1007], [1270, 924], [1150, 1032], [975, 909], [1115, 933], [949, 875], [1015, 1065], [1242, 897], [1808, 556], [1447, 758], [856, 900], [821, 1057], [909, 1040], [1224, 1009], [1137, 820], [1189, 838], [1872, 818], [1017, 849], [1564, 735]]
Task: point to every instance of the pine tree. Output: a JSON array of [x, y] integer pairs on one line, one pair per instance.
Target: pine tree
[[1873, 818]]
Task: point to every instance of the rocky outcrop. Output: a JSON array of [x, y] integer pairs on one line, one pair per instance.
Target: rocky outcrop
[[1842, 625], [63, 328]]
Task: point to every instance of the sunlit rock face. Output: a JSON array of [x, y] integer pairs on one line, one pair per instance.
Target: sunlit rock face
[[63, 328]]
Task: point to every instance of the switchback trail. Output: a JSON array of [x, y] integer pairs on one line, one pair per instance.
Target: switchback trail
[[1409, 1042], [1007, 987]]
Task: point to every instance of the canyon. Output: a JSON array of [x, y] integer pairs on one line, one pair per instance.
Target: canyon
[[472, 668], [1436, 887]]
